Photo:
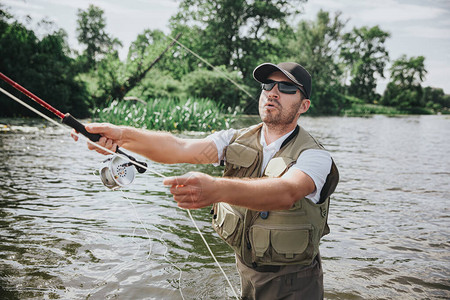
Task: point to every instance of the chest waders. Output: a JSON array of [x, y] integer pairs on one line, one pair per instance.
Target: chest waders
[[282, 237]]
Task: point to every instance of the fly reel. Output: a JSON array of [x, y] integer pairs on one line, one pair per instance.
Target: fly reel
[[117, 172]]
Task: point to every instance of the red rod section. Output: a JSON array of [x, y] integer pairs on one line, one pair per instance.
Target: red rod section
[[31, 95]]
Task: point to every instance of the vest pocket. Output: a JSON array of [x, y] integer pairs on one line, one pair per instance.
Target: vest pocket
[[278, 166], [229, 224], [281, 244]]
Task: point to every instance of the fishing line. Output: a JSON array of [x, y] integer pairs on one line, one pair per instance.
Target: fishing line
[[213, 67], [78, 135], [212, 254], [163, 242], [207, 246], [140, 221], [131, 161], [151, 244], [31, 108]]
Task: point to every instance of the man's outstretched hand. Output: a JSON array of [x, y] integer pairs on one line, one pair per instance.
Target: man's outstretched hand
[[193, 190]]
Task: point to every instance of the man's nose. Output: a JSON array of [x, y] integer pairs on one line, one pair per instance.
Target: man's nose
[[274, 92]]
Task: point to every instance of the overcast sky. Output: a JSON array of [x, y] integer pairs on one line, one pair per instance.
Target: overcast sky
[[416, 27]]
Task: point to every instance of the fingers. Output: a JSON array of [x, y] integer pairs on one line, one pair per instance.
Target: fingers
[[188, 197], [185, 179], [192, 190], [182, 190], [105, 143], [105, 129], [109, 144], [74, 135], [110, 139], [97, 127]]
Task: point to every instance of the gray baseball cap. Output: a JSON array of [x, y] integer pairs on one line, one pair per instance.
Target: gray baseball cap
[[293, 71]]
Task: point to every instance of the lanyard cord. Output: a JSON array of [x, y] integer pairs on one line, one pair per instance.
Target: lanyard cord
[[126, 158]]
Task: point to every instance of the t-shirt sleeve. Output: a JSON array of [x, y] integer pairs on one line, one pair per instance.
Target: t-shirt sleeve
[[221, 139], [317, 165]]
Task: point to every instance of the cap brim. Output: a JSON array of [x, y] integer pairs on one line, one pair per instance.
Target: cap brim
[[263, 71]]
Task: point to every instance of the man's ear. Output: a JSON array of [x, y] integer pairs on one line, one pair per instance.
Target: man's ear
[[304, 106]]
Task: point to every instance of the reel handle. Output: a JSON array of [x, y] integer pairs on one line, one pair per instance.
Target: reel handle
[[78, 126], [138, 168]]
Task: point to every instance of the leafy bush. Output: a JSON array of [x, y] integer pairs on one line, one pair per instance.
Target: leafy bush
[[167, 114], [358, 109], [158, 84], [214, 85]]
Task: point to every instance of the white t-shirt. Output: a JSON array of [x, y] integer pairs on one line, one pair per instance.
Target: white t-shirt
[[314, 162]]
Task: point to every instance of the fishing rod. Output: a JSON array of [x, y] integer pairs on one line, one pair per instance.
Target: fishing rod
[[117, 172]]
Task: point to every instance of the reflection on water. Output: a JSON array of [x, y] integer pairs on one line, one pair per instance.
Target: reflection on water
[[63, 235]]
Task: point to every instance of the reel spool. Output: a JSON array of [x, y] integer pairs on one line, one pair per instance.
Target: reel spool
[[117, 172]]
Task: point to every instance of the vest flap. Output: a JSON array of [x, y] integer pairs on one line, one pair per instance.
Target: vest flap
[[290, 242], [260, 238], [240, 155], [277, 166]]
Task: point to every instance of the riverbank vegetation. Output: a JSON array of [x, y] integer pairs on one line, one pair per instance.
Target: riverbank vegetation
[[168, 114], [234, 37]]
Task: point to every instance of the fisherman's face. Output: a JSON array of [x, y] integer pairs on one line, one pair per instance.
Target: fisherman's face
[[280, 109]]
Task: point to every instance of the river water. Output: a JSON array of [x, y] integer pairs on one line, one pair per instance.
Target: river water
[[63, 235]]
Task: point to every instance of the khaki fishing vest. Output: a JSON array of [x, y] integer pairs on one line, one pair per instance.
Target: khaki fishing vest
[[282, 237]]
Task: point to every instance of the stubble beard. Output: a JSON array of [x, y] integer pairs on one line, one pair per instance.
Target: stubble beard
[[280, 119]]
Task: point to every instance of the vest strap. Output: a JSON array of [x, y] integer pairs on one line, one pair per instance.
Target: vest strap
[[291, 136]]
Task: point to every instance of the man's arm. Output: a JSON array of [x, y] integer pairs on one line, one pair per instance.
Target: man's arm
[[164, 147], [196, 190], [158, 146]]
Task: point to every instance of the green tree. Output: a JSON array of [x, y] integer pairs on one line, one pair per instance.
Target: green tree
[[161, 80], [42, 66], [113, 79], [436, 99], [234, 32], [404, 89], [363, 50], [213, 85], [314, 46], [159, 84], [179, 61], [91, 33], [144, 49]]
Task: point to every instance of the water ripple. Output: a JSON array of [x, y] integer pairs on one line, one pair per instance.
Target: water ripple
[[63, 235]]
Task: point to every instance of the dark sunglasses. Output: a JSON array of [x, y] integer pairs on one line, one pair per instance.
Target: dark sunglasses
[[284, 87]]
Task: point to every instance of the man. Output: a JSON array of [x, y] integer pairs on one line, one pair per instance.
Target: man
[[271, 206]]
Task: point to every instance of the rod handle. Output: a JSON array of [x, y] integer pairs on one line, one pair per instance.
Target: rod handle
[[75, 124]]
